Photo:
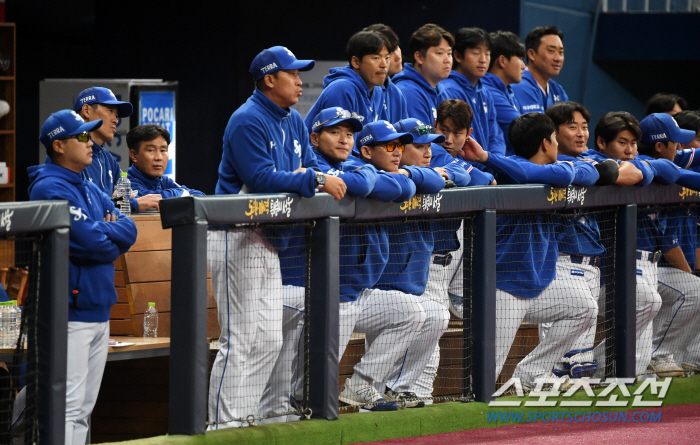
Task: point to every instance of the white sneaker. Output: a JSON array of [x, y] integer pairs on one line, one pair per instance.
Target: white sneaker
[[665, 367], [689, 370], [365, 396]]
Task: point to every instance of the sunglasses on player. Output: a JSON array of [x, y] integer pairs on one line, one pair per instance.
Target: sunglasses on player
[[81, 137], [422, 130], [391, 146]]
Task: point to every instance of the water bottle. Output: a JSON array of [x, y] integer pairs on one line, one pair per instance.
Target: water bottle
[[14, 327], [5, 321], [124, 190], [150, 321]]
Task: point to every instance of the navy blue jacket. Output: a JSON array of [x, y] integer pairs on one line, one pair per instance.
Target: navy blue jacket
[[505, 103], [411, 243], [526, 245], [263, 145], [422, 100], [395, 104], [344, 88], [94, 244], [486, 132], [163, 185], [531, 98]]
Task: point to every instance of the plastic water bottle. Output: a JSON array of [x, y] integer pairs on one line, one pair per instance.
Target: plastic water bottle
[[124, 190], [6, 321], [150, 321], [14, 327]]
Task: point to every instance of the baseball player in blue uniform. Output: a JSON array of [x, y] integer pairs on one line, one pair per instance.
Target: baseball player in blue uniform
[[394, 101], [472, 54], [358, 86], [529, 285], [98, 236], [266, 149], [99, 103], [148, 150], [506, 69], [578, 236], [545, 58], [616, 136], [420, 81], [388, 313], [678, 287], [454, 119], [333, 138], [406, 271]]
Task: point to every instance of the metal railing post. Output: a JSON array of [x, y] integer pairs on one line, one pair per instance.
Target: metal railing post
[[189, 361], [323, 319], [52, 337], [484, 304], [625, 290]]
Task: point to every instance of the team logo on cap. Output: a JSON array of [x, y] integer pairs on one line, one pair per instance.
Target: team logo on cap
[[390, 127], [111, 93], [267, 68], [419, 122], [55, 131], [77, 116], [289, 52]]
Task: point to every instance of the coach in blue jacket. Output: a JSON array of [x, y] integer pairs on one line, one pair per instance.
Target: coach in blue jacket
[[98, 103], [99, 234], [545, 58], [266, 150], [148, 150]]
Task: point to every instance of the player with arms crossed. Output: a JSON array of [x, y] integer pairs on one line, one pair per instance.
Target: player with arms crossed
[[99, 234]]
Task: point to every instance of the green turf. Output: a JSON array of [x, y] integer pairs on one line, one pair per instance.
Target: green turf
[[368, 427]]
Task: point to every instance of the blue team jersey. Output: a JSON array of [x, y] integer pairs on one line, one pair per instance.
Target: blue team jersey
[[681, 230], [526, 254], [442, 158], [364, 249], [647, 171], [263, 145], [486, 132], [505, 104], [532, 98], [422, 99], [344, 88], [395, 105]]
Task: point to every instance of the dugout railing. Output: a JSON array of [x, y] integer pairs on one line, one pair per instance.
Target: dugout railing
[[35, 236], [189, 218]]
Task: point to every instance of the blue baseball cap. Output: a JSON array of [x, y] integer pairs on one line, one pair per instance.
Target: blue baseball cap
[[333, 116], [422, 134], [381, 131], [277, 58], [99, 95], [64, 123], [662, 127]]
